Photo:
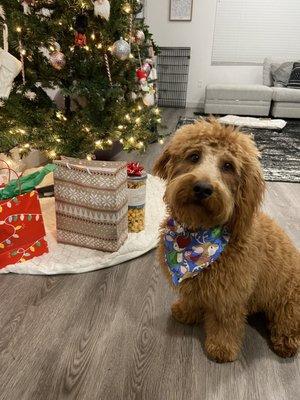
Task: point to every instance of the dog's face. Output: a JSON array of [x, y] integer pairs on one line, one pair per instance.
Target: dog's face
[[213, 175]]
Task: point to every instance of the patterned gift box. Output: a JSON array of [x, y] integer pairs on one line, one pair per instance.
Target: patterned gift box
[[91, 203]]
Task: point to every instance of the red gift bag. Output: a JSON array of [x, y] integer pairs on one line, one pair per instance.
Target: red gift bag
[[22, 230]]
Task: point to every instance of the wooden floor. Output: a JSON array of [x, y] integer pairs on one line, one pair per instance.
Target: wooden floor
[[108, 335]]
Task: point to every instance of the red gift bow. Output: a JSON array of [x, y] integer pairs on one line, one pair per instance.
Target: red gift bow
[[134, 169]]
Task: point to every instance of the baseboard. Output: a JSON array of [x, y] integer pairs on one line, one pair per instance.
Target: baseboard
[[199, 105]]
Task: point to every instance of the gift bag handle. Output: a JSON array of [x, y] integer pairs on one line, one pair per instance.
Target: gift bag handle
[[10, 170]]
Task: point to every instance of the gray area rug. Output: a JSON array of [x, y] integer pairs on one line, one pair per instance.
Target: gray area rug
[[280, 150]]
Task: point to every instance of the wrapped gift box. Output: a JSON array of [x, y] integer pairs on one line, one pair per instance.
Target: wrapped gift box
[[91, 203]]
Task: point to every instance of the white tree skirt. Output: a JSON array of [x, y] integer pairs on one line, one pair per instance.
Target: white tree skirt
[[250, 122], [66, 259]]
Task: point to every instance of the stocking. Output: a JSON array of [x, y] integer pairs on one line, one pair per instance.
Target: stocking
[[10, 67]]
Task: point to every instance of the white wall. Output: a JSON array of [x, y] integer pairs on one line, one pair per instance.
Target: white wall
[[197, 34]]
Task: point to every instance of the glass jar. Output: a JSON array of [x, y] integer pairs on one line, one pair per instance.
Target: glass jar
[[136, 202]]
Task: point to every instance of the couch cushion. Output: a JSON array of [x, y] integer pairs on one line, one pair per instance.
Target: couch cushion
[[267, 76], [281, 73], [238, 92], [286, 95]]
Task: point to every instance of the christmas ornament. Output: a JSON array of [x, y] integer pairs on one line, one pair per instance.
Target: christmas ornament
[[141, 74], [81, 24], [30, 95], [10, 66], [102, 9], [107, 69], [57, 59], [44, 13], [147, 68], [149, 99], [80, 39], [139, 37], [26, 6], [121, 49], [138, 7], [153, 74]]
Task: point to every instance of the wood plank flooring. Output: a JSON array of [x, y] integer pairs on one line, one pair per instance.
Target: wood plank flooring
[[108, 335]]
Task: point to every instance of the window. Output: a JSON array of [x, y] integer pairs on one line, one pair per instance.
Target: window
[[247, 31]]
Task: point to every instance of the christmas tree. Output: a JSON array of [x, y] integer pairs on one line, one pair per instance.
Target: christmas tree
[[99, 57]]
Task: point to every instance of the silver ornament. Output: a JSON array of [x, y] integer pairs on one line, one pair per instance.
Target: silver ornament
[[139, 37], [121, 49], [57, 59]]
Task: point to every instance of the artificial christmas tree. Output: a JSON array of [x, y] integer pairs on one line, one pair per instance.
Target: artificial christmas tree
[[89, 52]]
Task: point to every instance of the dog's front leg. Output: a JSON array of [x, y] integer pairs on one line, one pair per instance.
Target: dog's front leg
[[224, 334]]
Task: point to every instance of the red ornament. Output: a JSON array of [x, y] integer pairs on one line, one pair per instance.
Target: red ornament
[[80, 39], [141, 74], [135, 169]]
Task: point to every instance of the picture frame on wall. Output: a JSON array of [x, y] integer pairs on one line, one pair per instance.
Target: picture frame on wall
[[181, 10]]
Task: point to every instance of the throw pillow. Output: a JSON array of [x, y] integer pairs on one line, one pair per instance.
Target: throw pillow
[[294, 81], [281, 73]]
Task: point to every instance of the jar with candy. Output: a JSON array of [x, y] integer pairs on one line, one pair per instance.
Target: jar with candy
[[136, 180]]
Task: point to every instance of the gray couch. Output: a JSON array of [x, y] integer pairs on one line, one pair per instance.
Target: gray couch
[[253, 100]]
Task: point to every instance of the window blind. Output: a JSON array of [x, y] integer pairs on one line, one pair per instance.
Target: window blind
[[247, 31]]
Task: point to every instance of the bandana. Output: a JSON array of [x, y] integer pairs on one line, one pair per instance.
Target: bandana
[[189, 253]]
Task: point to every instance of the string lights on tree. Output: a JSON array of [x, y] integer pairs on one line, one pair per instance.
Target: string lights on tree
[[76, 51]]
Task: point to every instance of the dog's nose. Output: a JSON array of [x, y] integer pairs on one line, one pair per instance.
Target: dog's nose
[[203, 190]]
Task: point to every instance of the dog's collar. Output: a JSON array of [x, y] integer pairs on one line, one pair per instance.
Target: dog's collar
[[189, 253]]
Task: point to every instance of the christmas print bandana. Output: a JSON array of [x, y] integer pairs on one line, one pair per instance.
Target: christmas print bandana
[[189, 253]]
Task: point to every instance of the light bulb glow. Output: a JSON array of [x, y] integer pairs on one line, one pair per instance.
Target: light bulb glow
[[109, 142], [161, 141], [120, 127], [140, 107], [98, 143], [87, 48], [52, 154], [138, 120], [131, 139], [89, 157], [27, 145], [99, 46], [93, 37], [127, 116], [156, 111], [18, 29], [127, 8]]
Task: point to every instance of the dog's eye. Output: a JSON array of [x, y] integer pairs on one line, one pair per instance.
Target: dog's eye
[[194, 158], [227, 167]]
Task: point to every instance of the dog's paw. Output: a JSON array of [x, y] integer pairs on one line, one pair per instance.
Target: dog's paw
[[285, 346], [220, 353], [182, 315]]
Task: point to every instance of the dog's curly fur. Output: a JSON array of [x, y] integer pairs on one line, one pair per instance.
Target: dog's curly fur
[[259, 269]]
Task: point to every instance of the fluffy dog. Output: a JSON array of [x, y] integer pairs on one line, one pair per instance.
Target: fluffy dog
[[214, 178]]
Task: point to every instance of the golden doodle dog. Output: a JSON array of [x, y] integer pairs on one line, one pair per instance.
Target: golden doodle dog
[[224, 256]]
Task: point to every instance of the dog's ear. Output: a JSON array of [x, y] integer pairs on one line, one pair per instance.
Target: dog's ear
[[160, 166], [250, 191]]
